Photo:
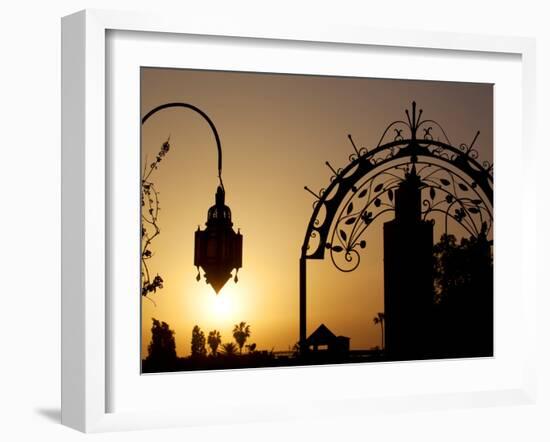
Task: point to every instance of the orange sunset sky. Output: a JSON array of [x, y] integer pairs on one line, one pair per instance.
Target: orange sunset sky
[[276, 131]]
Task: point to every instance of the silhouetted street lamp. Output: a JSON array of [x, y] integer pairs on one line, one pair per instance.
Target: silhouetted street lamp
[[218, 249]]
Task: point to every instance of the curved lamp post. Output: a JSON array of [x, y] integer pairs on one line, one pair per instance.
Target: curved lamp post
[[218, 249]]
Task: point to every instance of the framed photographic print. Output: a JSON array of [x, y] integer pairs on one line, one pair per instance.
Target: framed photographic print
[[421, 204], [250, 213]]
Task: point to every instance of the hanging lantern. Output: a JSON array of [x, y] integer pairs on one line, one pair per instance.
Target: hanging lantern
[[218, 249]]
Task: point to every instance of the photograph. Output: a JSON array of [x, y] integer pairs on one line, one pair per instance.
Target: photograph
[[297, 220]]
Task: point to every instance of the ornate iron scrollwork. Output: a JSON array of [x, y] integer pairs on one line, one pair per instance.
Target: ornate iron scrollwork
[[455, 187]]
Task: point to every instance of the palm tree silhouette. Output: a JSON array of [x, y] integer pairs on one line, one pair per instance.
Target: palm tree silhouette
[[241, 332], [214, 340], [229, 349], [379, 319]]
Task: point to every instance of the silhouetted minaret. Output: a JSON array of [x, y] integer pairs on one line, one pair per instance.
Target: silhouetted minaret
[[408, 274]]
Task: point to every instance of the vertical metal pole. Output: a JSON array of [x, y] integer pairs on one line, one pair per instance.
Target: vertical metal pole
[[302, 305]]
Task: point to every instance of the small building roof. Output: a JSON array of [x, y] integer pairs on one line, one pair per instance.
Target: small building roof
[[321, 336]]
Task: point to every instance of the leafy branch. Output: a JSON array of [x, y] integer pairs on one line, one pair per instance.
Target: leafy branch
[[150, 208]]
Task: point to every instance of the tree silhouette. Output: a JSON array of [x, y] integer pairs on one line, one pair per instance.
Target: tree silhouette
[[229, 349], [251, 347], [149, 223], [463, 285], [162, 348], [241, 332], [198, 342], [459, 265], [379, 319], [214, 340]]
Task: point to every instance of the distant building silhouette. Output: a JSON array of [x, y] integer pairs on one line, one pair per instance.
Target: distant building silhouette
[[323, 340], [408, 274]]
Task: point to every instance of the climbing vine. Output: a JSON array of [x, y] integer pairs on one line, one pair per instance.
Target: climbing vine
[[150, 208]]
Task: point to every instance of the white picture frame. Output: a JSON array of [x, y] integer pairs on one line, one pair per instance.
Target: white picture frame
[[86, 317]]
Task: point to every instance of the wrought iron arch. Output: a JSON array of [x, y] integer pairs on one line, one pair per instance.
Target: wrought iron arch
[[457, 187]]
